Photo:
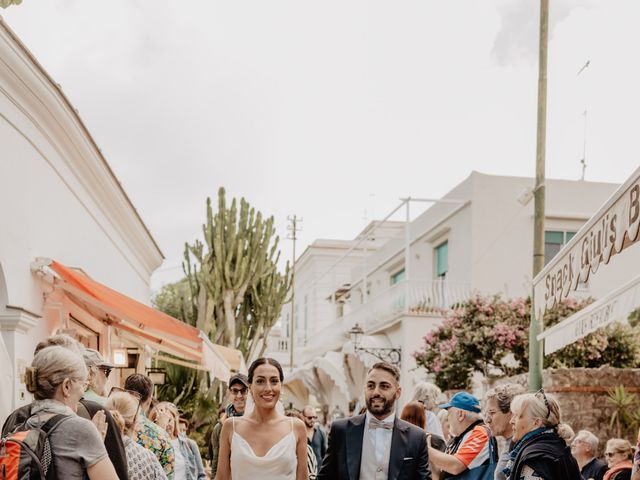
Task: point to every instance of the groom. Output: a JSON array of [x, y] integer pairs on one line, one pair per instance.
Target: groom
[[376, 445]]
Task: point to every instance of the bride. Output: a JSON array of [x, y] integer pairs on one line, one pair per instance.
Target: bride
[[263, 443]]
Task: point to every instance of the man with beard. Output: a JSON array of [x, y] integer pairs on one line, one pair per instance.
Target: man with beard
[[376, 445]]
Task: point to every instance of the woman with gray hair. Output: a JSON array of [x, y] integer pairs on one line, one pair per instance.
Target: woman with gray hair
[[428, 395], [57, 378], [540, 450]]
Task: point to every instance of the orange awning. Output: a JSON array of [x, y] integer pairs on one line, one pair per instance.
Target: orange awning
[[128, 314]]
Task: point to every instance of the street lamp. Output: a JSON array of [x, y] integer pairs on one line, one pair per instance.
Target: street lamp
[[389, 355]]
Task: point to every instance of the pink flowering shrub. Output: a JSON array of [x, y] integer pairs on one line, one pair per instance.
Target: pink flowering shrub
[[490, 335]]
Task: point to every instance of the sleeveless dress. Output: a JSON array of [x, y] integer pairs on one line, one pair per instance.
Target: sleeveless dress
[[279, 463]]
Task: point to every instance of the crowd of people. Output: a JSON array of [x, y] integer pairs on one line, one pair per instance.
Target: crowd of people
[[125, 434]]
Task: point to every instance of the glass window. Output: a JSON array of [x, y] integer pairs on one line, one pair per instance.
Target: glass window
[[397, 277], [442, 259], [554, 241]]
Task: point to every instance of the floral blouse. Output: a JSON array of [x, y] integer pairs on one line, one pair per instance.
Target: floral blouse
[[141, 463], [155, 439]]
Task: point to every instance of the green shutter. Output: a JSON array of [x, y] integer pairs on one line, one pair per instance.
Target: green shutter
[[442, 259], [397, 277]]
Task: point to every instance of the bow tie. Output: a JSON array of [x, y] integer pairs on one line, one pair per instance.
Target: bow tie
[[375, 423]]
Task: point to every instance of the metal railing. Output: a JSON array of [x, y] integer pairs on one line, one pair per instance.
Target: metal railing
[[408, 297]]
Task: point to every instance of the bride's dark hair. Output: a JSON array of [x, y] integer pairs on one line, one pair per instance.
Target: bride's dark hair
[[265, 361]]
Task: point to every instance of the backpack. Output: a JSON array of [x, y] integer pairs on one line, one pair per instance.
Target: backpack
[[25, 454]]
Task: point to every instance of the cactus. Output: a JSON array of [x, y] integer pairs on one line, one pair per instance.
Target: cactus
[[236, 291]]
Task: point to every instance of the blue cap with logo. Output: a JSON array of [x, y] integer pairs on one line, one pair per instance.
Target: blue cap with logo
[[463, 401]]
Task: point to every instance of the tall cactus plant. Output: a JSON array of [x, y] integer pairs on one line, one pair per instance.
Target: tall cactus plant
[[236, 289]]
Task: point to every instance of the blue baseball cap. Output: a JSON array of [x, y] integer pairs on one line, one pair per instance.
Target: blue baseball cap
[[463, 401]]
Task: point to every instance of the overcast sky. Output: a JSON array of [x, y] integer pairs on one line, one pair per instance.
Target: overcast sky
[[330, 109]]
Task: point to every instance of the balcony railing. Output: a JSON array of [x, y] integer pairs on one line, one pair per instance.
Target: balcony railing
[[408, 297]]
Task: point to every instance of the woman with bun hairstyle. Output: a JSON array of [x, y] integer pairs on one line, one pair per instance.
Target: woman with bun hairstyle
[[142, 463], [263, 444], [540, 450], [57, 379]]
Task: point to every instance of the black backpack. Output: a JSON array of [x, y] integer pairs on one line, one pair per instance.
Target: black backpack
[[25, 454]]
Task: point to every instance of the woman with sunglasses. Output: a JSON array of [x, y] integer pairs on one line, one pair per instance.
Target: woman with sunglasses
[[540, 450], [124, 406], [618, 454]]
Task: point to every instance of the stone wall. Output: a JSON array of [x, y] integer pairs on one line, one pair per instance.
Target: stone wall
[[583, 393]]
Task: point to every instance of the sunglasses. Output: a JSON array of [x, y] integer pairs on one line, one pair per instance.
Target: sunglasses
[[610, 454], [546, 401], [313, 417], [105, 370], [133, 393], [238, 391]]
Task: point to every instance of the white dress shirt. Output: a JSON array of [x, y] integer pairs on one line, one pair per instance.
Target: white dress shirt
[[380, 439]]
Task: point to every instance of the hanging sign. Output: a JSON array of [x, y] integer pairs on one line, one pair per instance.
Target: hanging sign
[[614, 307], [612, 229]]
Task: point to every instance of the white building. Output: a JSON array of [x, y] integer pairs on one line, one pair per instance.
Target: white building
[[477, 239], [60, 200]]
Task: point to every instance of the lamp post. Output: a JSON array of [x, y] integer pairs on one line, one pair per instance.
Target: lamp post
[[389, 355]]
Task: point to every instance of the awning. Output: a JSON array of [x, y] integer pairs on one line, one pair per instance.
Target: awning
[[232, 357], [332, 365], [164, 332], [216, 363]]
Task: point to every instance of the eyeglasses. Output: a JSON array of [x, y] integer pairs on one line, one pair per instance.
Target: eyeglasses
[[546, 402], [105, 370], [238, 391]]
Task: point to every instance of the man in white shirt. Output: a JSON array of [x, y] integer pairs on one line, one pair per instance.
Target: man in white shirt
[[377, 445]]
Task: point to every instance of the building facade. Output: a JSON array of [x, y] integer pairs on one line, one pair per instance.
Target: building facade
[[477, 239]]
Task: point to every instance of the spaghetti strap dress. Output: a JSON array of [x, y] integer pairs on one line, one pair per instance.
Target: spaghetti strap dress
[[279, 463]]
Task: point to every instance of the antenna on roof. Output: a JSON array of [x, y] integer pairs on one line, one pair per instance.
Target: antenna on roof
[[583, 160]]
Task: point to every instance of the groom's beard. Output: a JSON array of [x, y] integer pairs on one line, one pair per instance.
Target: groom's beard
[[384, 408]]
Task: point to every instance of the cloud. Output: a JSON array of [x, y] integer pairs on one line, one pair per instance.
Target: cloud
[[517, 38]]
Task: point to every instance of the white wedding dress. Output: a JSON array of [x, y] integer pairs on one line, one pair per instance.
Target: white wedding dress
[[279, 463]]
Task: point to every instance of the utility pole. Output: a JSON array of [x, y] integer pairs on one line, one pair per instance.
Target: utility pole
[[537, 325], [293, 230]]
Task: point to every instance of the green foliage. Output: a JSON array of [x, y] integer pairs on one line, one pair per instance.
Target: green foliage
[[174, 299], [490, 335], [8, 3], [634, 318], [188, 389], [624, 415], [236, 290]]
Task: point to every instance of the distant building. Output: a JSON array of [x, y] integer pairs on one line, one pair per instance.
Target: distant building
[[477, 239]]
